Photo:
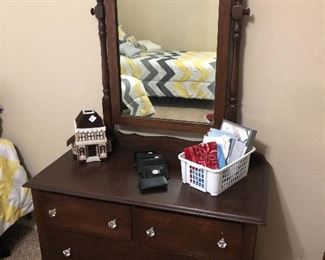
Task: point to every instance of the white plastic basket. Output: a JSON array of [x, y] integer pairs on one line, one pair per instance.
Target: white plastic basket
[[214, 181]]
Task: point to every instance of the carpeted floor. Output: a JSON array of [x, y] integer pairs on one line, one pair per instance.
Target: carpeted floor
[[182, 109], [22, 241]]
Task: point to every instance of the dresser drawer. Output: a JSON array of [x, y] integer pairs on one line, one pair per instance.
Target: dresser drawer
[[194, 235], [83, 215], [69, 245]]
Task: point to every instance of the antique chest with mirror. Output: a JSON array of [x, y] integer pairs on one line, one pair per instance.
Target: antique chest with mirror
[[156, 76]]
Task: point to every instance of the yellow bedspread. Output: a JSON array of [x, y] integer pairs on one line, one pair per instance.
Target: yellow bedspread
[[182, 74], [15, 201]]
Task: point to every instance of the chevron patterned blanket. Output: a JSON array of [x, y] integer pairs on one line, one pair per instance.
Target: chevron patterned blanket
[[15, 201], [182, 74]]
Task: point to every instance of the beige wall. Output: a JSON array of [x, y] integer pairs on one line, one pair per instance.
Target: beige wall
[[189, 25], [50, 69], [284, 99], [50, 62]]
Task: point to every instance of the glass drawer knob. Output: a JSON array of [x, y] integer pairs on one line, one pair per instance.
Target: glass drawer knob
[[150, 232], [52, 213], [67, 252], [222, 243], [112, 224]]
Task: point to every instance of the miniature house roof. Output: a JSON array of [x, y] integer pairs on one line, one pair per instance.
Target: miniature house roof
[[88, 119]]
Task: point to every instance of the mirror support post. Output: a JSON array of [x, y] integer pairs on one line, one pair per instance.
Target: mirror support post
[[99, 12], [238, 12]]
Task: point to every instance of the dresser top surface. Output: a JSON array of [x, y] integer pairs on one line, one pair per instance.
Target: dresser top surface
[[115, 180]]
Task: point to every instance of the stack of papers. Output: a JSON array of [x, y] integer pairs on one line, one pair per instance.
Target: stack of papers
[[234, 140]]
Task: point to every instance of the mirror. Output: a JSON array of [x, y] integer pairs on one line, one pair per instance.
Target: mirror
[[167, 55], [138, 22]]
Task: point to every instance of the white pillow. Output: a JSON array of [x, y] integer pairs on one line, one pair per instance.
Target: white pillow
[[150, 46]]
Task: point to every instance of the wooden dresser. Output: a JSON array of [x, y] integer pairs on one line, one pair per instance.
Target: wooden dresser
[[96, 211]]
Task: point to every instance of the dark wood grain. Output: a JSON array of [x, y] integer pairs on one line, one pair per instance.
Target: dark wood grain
[[99, 12], [183, 233], [238, 12], [42, 234], [190, 221], [85, 247], [158, 143], [113, 58], [83, 215], [115, 180], [223, 61], [249, 241]]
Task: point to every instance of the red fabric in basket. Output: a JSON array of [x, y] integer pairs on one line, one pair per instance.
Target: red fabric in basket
[[203, 154]]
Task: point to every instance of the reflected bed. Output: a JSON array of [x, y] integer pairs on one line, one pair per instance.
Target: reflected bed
[[183, 74]]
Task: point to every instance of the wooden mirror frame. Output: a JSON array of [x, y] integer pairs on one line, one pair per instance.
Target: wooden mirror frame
[[230, 17]]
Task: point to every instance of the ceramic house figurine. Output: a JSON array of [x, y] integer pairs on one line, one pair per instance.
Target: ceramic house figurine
[[89, 142]]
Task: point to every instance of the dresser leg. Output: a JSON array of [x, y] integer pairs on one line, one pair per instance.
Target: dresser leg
[[249, 240]]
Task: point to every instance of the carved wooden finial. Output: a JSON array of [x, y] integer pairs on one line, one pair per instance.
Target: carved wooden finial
[[238, 11]]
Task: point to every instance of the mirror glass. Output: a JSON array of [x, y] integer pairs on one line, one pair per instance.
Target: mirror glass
[[168, 58]]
